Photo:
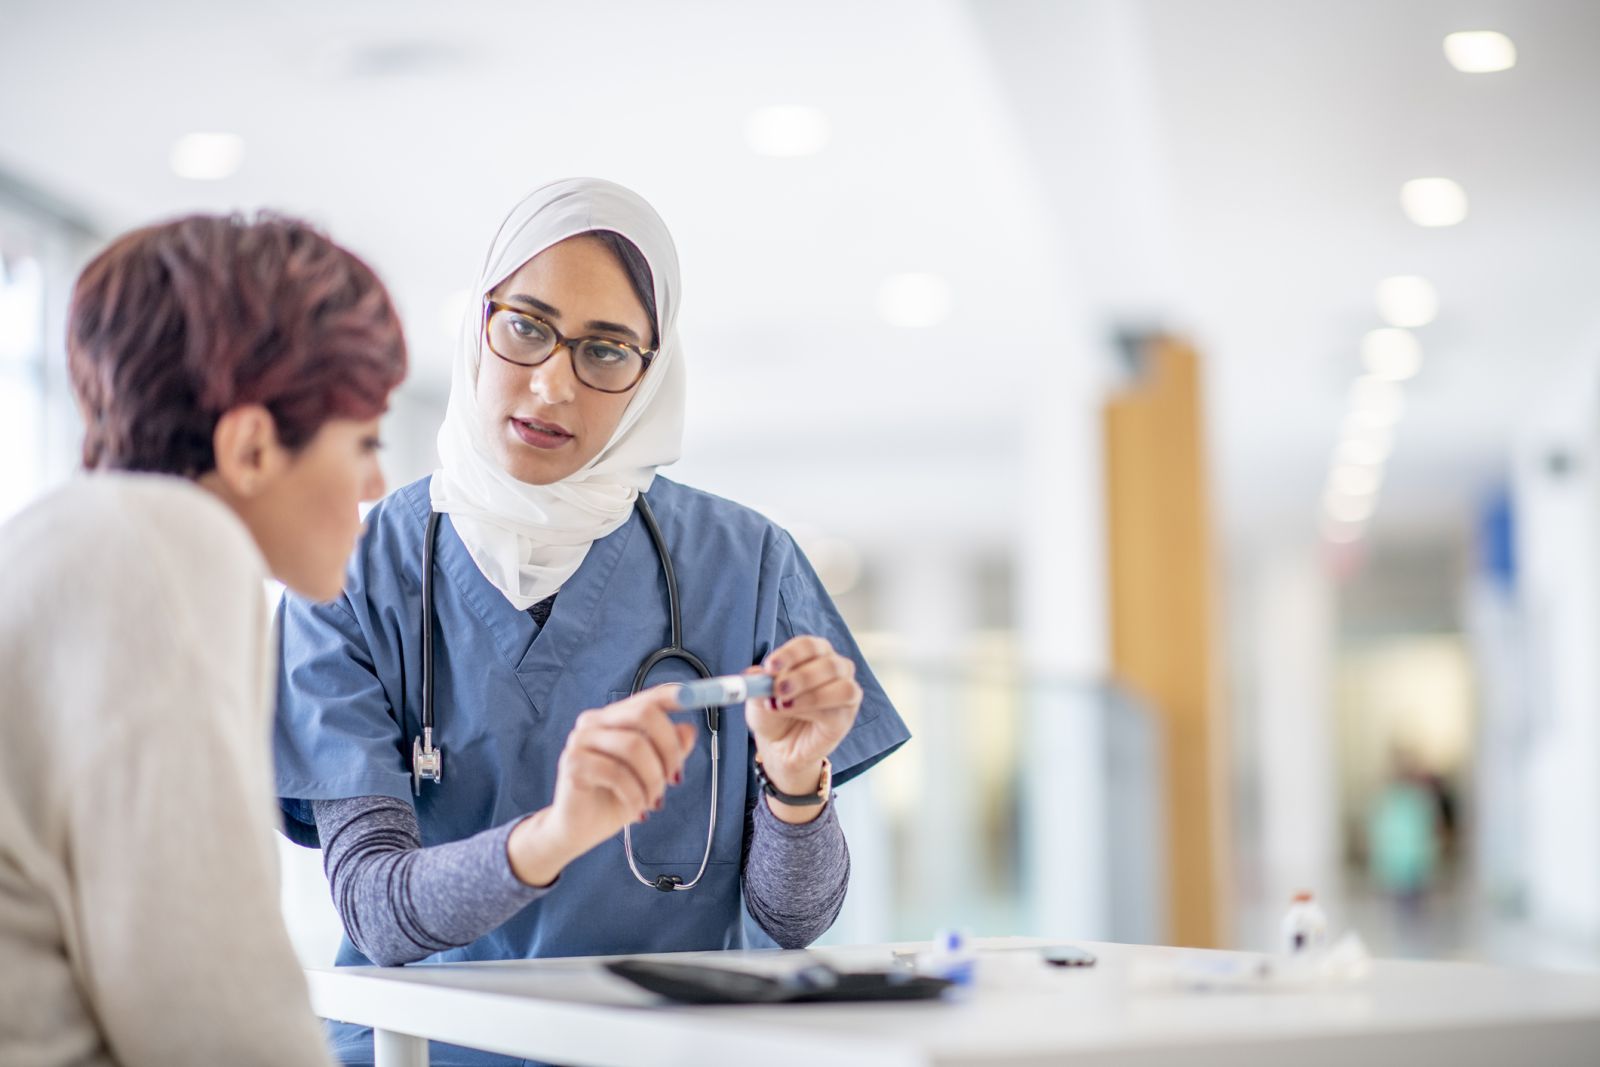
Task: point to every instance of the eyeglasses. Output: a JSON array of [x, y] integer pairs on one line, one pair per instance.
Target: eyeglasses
[[521, 337]]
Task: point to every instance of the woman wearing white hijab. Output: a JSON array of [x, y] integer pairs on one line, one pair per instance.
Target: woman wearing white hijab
[[552, 826]]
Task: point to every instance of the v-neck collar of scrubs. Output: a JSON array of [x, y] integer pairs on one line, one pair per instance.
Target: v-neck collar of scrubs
[[538, 655]]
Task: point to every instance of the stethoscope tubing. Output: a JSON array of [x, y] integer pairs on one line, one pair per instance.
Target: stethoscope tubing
[[427, 761]]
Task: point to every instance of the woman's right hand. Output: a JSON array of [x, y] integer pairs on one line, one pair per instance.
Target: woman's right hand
[[617, 765]]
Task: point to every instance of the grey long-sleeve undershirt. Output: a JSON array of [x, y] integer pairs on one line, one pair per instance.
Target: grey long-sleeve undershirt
[[401, 902]]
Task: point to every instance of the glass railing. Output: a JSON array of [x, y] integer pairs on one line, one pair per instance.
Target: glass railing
[[1023, 805]]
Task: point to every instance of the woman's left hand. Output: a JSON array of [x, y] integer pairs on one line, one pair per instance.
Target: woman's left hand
[[814, 704]]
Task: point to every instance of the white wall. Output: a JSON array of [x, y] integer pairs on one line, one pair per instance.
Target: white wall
[[1558, 555], [1499, 647], [1293, 634], [1062, 627]]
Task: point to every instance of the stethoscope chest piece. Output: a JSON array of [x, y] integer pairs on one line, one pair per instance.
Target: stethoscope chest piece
[[427, 763]]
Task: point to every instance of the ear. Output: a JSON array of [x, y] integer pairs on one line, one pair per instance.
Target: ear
[[248, 453]]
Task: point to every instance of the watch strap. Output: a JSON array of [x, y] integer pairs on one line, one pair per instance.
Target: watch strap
[[798, 800]]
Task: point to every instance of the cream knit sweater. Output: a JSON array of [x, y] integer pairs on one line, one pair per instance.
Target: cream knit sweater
[[139, 907]]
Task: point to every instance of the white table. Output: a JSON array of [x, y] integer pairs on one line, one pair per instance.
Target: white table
[[1020, 1012]]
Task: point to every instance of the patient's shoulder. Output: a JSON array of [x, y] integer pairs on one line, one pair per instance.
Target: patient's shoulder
[[109, 537]]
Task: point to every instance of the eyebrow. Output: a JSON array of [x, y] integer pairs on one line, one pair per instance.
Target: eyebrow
[[535, 303], [610, 327], [602, 325]]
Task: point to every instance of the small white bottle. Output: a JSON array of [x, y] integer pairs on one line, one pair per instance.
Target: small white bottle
[[1305, 925]]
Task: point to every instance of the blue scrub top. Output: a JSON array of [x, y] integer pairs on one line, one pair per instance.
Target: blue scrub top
[[507, 693]]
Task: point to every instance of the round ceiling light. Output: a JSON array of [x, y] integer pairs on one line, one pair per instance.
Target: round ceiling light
[[1407, 300], [1392, 354], [1480, 51], [787, 131], [914, 301], [1433, 201], [205, 157]]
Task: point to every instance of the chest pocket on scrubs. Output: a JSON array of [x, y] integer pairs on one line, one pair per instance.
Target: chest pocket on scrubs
[[673, 839]]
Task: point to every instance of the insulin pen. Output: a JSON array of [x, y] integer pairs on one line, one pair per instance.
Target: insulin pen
[[720, 692]]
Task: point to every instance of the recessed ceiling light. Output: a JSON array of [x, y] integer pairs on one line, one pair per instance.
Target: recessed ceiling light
[[1359, 421], [1370, 449], [1361, 430], [1378, 401], [1340, 533], [1355, 481], [1391, 353], [1407, 300], [1349, 508], [207, 156], [914, 301], [1433, 201], [1480, 51], [786, 131]]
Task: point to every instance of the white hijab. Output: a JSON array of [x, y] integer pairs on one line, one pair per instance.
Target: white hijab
[[529, 539]]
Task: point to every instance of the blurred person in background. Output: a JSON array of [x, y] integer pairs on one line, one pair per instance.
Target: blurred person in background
[[551, 596], [230, 374], [1404, 833]]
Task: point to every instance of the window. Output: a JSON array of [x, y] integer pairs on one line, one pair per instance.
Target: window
[[41, 249]]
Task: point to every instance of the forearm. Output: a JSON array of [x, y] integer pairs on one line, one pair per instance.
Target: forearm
[[795, 875], [401, 902]]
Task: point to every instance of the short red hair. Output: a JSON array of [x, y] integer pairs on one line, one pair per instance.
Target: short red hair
[[175, 324]]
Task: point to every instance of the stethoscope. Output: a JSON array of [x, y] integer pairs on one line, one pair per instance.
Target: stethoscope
[[427, 761]]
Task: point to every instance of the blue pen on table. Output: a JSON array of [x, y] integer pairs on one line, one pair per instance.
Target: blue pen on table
[[724, 691]]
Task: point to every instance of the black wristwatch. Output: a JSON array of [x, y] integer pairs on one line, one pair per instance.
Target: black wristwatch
[[798, 800]]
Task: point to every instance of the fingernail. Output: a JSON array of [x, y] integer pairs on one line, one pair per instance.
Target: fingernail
[[775, 665], [677, 777], [643, 816], [786, 688], [772, 702], [661, 802], [787, 704]]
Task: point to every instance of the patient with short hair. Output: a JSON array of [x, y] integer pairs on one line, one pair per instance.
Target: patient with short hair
[[230, 373]]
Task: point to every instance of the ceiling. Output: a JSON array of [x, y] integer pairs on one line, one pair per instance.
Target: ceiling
[[1240, 183], [1230, 169], [1290, 166]]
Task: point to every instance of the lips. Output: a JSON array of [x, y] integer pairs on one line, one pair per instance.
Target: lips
[[540, 434]]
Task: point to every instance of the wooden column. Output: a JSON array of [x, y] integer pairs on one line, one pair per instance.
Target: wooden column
[[1162, 634]]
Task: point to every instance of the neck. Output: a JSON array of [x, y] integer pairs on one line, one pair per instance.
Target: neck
[[218, 487]]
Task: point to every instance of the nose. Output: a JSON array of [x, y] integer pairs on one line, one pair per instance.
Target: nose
[[553, 381]]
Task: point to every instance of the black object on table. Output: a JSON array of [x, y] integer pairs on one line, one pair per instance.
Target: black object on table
[[692, 983]]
